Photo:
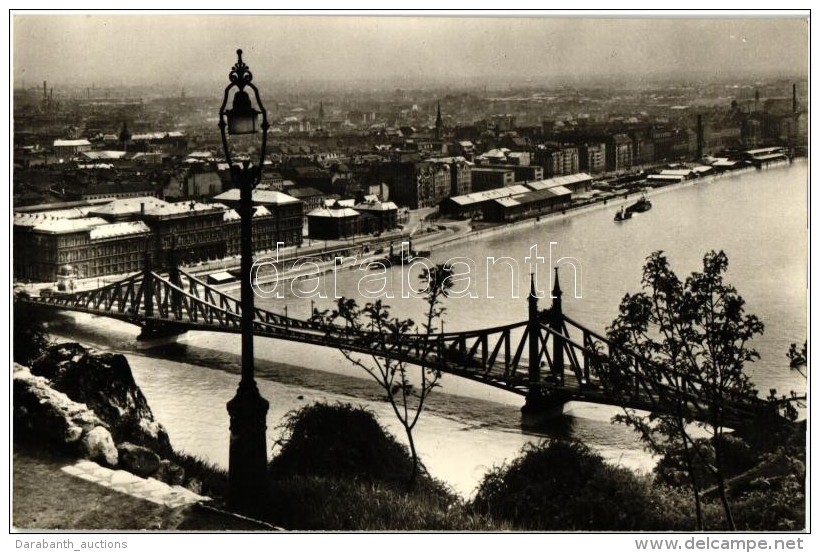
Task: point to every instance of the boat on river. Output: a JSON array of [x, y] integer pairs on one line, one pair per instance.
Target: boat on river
[[640, 206], [623, 215]]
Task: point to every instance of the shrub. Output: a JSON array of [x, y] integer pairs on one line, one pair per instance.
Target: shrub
[[336, 468], [343, 442], [566, 486]]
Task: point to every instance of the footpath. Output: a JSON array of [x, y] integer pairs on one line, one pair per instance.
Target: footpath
[[52, 492]]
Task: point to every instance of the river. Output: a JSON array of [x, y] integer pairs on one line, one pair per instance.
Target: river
[[758, 218]]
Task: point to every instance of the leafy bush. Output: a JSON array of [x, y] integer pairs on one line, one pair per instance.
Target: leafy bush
[[345, 442], [779, 506], [336, 468], [566, 486]]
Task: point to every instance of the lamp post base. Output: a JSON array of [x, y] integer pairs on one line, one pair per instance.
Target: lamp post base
[[248, 456]]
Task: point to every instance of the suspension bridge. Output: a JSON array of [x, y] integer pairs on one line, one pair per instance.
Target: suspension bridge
[[549, 358]]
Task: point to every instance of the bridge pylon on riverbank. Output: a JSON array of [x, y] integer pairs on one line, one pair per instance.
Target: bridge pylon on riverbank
[[541, 401], [154, 332]]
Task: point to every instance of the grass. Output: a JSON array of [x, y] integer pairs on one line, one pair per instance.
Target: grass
[[201, 476], [321, 503]]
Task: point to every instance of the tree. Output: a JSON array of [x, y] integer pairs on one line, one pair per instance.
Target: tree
[[695, 336], [788, 404], [376, 326], [30, 336], [798, 359]]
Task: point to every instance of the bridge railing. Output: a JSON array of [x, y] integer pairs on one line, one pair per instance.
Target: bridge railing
[[626, 371]]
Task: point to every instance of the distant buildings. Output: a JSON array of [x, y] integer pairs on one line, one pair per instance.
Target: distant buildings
[[333, 222], [311, 199], [416, 184], [474, 159], [557, 160], [592, 158], [67, 149], [519, 201], [377, 216], [285, 211], [94, 240], [488, 178], [619, 153]]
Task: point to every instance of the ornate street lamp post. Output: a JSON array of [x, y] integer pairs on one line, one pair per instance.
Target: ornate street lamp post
[[247, 471]]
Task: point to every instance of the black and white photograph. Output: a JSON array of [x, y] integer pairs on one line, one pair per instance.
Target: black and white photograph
[[482, 271]]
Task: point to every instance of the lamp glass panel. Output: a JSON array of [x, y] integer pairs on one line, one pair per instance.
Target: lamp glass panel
[[241, 123]]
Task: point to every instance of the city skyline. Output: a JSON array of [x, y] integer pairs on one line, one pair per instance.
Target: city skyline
[[136, 49]]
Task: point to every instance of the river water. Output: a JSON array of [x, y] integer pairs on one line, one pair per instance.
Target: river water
[[758, 218]]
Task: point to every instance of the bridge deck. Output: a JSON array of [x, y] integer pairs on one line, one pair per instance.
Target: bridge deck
[[498, 356]]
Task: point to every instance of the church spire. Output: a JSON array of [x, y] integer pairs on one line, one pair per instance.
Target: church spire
[[125, 135]]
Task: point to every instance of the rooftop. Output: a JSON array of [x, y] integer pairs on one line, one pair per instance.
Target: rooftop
[[534, 196], [81, 142], [127, 206], [157, 135], [330, 202], [233, 215], [64, 226], [272, 197], [559, 181], [104, 154], [336, 213], [113, 230], [377, 206], [305, 192], [34, 219], [179, 209], [489, 195], [760, 151]]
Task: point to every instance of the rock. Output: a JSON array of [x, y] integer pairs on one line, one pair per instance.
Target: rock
[[195, 486], [56, 358], [104, 382], [137, 459], [98, 445], [73, 434], [170, 473], [46, 416]]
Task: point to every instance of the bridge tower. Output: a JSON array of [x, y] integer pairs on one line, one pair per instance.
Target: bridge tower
[[544, 400], [154, 332]]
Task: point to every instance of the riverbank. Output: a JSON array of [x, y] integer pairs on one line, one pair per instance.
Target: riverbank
[[420, 234], [451, 232], [596, 205]]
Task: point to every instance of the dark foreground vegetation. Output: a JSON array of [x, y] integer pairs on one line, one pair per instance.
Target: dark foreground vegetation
[[336, 468]]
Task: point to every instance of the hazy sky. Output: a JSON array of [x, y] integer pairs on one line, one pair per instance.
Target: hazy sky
[[180, 49]]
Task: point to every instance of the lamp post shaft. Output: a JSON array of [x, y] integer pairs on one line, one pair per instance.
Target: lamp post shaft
[[246, 268], [248, 455]]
